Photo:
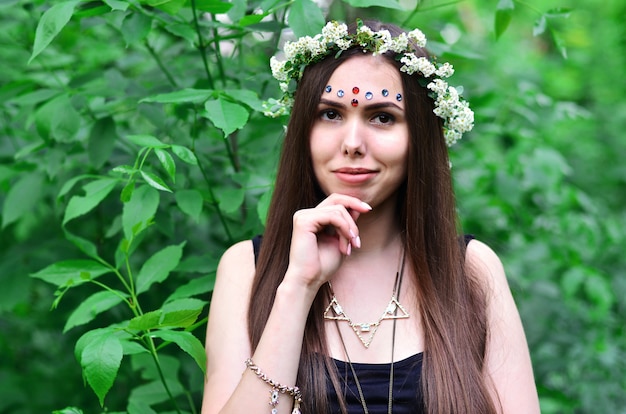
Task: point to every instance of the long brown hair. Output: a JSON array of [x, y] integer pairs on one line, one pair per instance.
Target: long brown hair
[[452, 303]]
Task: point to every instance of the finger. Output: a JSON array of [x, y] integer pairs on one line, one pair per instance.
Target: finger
[[347, 201]]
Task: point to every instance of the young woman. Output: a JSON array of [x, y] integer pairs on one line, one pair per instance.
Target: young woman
[[362, 297]]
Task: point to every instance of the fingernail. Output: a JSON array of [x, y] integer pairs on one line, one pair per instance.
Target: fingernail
[[349, 250], [357, 242], [367, 206], [352, 235]]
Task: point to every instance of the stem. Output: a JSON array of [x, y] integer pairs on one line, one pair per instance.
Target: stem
[[194, 137], [218, 51], [155, 356], [159, 62], [201, 45]]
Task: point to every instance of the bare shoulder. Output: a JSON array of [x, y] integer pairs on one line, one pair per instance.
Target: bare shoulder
[[227, 345], [484, 263], [507, 361]]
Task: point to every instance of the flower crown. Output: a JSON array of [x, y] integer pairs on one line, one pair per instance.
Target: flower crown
[[334, 39]]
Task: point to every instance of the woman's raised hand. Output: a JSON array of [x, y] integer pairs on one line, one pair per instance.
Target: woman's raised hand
[[322, 237]]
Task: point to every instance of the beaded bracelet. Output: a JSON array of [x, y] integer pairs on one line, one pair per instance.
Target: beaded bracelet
[[277, 388]]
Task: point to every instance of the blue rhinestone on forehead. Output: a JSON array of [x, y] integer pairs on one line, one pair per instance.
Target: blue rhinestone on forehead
[[340, 93], [328, 88], [385, 92], [399, 97], [369, 95]]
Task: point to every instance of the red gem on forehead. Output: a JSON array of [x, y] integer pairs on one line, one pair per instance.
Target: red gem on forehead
[[355, 103], [355, 90]]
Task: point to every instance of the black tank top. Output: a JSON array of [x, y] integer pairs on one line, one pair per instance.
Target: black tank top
[[374, 379]]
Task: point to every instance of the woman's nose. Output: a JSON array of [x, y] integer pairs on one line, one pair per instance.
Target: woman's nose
[[353, 144]]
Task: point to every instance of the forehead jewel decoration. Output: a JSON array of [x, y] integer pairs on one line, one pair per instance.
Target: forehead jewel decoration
[[334, 39]]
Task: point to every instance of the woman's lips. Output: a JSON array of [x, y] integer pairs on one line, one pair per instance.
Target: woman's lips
[[354, 175]]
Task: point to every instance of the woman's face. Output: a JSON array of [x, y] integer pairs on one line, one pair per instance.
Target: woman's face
[[360, 137]]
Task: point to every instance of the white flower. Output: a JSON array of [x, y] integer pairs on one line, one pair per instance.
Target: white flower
[[448, 105], [278, 69], [445, 71], [413, 64], [400, 43], [385, 42], [418, 37]]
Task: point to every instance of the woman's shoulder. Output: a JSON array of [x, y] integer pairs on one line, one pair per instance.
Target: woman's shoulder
[[239, 257]]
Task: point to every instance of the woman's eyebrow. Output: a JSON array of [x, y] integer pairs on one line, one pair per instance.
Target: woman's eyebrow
[[369, 107]]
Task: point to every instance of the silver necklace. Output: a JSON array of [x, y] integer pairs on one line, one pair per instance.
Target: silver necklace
[[334, 311], [396, 291]]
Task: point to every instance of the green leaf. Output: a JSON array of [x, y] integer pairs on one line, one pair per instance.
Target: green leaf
[[51, 24], [139, 211], [187, 342], [230, 199], [263, 205], [57, 119], [197, 286], [213, 6], [71, 272], [225, 115], [246, 97], [84, 245], [92, 307], [117, 5], [540, 26], [158, 267], [600, 292], [389, 4], [182, 313], [136, 28], [185, 154], [504, 13], [155, 181], [167, 161], [68, 410], [149, 320], [182, 96], [22, 197], [190, 202], [146, 141], [305, 18], [100, 360], [101, 141], [69, 184], [95, 192], [168, 6]]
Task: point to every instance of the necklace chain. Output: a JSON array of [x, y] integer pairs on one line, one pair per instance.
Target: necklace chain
[[341, 316]]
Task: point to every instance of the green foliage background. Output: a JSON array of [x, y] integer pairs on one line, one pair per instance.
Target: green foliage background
[[133, 152]]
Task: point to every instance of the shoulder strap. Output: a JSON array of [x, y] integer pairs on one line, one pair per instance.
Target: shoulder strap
[[256, 246], [468, 238]]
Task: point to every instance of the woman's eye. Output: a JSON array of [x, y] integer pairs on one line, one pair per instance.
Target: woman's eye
[[330, 114], [383, 118]]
